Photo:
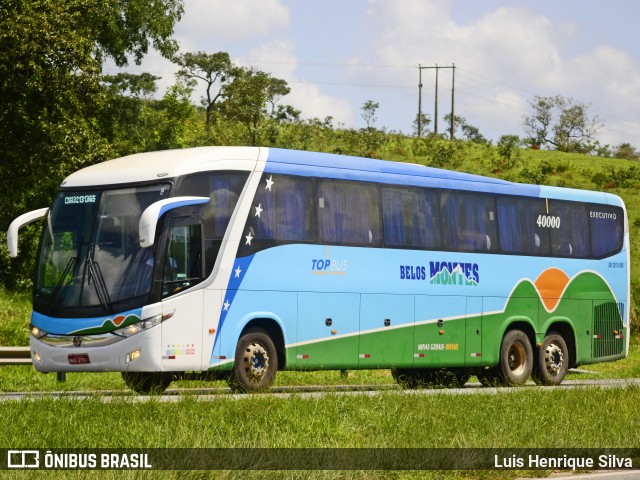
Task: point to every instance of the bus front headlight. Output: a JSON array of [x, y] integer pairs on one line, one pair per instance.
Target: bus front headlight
[[37, 332], [141, 326]]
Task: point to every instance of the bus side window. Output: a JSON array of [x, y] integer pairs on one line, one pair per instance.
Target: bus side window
[[224, 189], [570, 229], [410, 217], [468, 222], [348, 213], [518, 226], [607, 229]]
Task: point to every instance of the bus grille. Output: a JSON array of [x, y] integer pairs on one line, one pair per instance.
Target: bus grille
[[608, 331]]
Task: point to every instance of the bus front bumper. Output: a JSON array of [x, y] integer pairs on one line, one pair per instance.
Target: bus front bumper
[[138, 353]]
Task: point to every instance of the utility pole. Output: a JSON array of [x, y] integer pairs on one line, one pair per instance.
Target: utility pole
[[435, 116], [419, 101], [453, 90]]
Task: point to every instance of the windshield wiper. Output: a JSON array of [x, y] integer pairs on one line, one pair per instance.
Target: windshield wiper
[[98, 281], [65, 272]]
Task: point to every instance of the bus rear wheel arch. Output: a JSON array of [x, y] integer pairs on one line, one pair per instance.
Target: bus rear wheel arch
[[256, 362], [551, 360]]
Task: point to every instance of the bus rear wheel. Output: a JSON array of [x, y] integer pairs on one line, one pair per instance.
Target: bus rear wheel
[[516, 358], [145, 383], [552, 360], [515, 365], [256, 362]]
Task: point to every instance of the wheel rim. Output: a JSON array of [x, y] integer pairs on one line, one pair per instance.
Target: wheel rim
[[553, 359], [256, 362], [517, 358]]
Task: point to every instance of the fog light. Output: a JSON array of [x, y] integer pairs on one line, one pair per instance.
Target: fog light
[[130, 357], [36, 355]]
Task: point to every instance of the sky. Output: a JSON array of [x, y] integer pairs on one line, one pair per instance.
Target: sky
[[337, 54]]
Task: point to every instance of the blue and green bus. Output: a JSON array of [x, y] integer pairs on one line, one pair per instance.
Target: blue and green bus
[[238, 262]]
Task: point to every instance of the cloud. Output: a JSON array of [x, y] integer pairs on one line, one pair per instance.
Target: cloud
[[214, 21], [277, 58], [505, 57]]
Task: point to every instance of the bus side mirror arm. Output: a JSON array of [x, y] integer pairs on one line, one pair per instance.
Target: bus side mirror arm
[[151, 215], [21, 221]]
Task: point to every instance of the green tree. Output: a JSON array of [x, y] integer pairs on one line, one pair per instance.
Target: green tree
[[246, 100], [562, 122], [127, 117], [215, 70], [627, 151], [469, 132], [368, 112], [420, 127], [52, 97]]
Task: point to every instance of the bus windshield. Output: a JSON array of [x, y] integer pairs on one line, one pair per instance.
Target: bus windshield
[[90, 254]]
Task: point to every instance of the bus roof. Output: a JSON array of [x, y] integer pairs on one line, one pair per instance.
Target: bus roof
[[154, 166]]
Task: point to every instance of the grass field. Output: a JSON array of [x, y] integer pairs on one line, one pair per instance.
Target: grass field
[[522, 419]]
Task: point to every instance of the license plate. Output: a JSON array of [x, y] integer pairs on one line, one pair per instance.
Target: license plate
[[79, 359]]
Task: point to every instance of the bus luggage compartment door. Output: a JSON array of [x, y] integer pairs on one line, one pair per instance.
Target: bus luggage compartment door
[[439, 338], [386, 331], [328, 328]]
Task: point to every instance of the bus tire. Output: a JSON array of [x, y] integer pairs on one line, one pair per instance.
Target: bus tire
[[146, 383], [552, 360], [256, 362], [516, 359]]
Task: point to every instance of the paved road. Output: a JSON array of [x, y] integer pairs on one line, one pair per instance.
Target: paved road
[[313, 391]]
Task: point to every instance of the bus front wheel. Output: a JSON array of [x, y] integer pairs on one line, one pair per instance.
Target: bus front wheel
[[145, 383], [256, 362], [552, 360]]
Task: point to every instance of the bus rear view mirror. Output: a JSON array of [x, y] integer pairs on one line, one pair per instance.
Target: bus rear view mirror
[[149, 218], [21, 221]]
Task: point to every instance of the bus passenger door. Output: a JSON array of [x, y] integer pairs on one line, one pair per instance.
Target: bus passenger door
[[386, 331], [328, 328], [473, 329], [183, 268]]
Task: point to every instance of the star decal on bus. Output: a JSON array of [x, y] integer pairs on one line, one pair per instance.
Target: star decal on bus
[[249, 238], [238, 271], [226, 305], [259, 210], [270, 183]]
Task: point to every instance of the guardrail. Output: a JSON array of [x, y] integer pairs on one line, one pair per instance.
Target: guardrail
[[21, 356], [15, 356]]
